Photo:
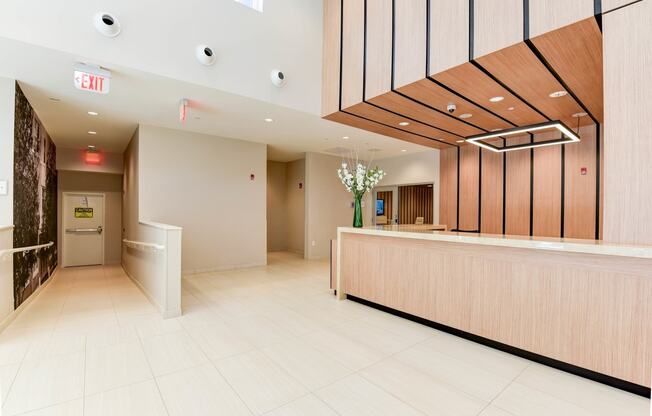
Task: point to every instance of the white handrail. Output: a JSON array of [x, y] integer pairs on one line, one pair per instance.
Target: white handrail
[[139, 245], [6, 252]]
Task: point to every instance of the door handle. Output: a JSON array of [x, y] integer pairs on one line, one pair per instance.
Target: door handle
[[99, 229]]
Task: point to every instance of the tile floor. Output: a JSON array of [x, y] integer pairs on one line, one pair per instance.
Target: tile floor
[[263, 341]]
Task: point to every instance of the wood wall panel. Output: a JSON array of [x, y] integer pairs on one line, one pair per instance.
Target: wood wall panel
[[449, 34], [552, 303], [579, 201], [627, 144], [548, 15], [497, 25], [448, 187], [415, 201], [469, 186], [330, 95], [409, 41], [517, 190], [546, 212], [352, 52], [379, 48], [492, 192], [386, 196]]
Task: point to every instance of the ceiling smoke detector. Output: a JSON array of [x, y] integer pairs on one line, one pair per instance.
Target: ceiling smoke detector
[[205, 55], [107, 24]]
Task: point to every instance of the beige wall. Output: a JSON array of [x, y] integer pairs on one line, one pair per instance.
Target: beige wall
[[296, 174], [328, 204], [201, 183], [111, 186], [277, 206]]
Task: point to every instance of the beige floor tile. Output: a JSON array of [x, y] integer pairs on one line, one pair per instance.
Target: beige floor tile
[[218, 340], [423, 392], [350, 353], [71, 408], [115, 366], [261, 383], [355, 396], [200, 391], [521, 400], [172, 352], [7, 376], [140, 399], [494, 411], [306, 364], [46, 382], [306, 406], [258, 330]]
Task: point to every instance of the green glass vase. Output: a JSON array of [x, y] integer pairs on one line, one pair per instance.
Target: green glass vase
[[357, 214]]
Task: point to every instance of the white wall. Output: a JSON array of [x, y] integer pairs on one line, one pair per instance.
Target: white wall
[[412, 169], [328, 204], [73, 160], [202, 184], [7, 106]]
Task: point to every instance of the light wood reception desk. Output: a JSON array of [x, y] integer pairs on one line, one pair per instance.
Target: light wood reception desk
[[579, 305]]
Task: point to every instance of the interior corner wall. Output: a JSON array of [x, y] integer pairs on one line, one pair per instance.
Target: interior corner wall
[[328, 204], [202, 183], [277, 206], [7, 104], [296, 195], [111, 186]]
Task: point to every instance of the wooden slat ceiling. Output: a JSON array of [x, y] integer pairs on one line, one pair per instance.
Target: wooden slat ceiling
[[579, 63], [524, 74]]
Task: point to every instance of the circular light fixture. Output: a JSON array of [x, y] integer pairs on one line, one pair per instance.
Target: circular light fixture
[[269, 120], [578, 115], [510, 109], [205, 55], [403, 150], [460, 141], [403, 123], [93, 113], [466, 115], [557, 94], [496, 99], [107, 24], [345, 137], [92, 132]]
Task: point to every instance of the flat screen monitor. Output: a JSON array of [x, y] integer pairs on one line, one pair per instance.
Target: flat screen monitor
[[380, 207]]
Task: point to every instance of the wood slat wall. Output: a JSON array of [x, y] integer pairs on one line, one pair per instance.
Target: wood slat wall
[[414, 201], [387, 197], [541, 167]]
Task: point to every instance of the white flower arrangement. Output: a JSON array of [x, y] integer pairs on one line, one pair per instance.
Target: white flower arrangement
[[362, 179]]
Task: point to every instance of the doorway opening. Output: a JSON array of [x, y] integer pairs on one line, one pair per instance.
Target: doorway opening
[[83, 229]]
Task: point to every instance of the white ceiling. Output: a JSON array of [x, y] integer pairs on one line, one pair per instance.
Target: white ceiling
[[140, 97]]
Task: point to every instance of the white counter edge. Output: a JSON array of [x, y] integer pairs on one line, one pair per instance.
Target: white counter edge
[[589, 247]]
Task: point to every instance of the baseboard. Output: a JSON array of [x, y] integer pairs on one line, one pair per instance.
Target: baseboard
[[12, 316], [222, 268]]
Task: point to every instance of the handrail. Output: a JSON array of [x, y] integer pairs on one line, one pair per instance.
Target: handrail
[[6, 252], [140, 245]]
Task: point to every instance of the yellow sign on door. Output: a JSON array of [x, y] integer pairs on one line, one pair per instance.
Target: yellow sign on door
[[83, 212]]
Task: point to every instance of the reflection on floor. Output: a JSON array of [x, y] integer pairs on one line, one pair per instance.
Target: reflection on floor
[[269, 340]]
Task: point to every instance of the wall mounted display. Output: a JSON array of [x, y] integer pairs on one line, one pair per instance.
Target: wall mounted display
[[35, 200]]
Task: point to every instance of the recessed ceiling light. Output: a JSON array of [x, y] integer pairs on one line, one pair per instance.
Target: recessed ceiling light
[[345, 137], [496, 99], [460, 141], [403, 150], [269, 120], [56, 100], [510, 109], [578, 115], [92, 132], [557, 94], [91, 147], [466, 115], [403, 123], [93, 113]]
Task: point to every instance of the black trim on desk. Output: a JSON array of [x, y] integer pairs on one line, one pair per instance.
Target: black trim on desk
[[528, 355]]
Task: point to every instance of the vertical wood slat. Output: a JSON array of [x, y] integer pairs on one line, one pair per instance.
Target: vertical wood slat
[[492, 192], [449, 34], [546, 200], [580, 200], [448, 187], [409, 41], [352, 52], [415, 201], [469, 185], [378, 66], [517, 190], [330, 97], [497, 25]]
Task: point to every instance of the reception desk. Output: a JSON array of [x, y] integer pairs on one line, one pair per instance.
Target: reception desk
[[580, 305]]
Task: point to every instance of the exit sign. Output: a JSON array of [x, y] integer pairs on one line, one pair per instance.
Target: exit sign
[[92, 79]]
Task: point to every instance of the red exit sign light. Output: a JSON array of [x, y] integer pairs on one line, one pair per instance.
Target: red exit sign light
[[92, 79]]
